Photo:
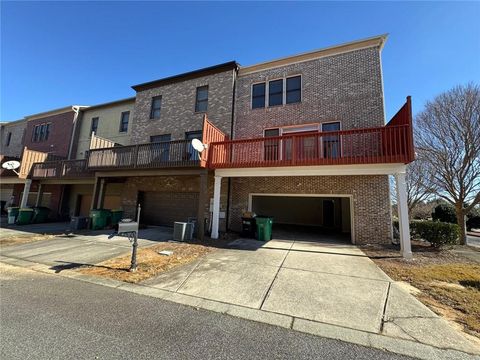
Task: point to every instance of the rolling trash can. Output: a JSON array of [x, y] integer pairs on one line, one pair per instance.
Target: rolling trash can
[[25, 216], [12, 214], [100, 218], [117, 215], [248, 227], [264, 228], [40, 214]]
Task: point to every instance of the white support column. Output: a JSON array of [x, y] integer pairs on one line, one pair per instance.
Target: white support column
[[26, 191], [101, 194], [216, 206], [403, 224]]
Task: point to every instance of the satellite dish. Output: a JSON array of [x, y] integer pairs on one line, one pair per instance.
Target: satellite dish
[[11, 165], [198, 145]]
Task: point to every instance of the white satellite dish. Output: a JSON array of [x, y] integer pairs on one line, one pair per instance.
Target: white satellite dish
[[198, 145], [11, 165]]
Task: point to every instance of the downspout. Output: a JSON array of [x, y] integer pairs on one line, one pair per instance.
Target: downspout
[[76, 110], [229, 185]]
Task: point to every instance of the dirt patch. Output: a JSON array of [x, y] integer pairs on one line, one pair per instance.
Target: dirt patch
[[449, 282], [17, 240], [149, 262]]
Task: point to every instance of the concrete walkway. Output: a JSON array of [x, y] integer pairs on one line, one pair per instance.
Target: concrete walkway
[[69, 251], [312, 284]]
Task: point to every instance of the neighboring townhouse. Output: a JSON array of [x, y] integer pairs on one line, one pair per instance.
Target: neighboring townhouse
[[48, 137], [99, 126], [11, 138], [310, 147], [160, 169], [11, 147]]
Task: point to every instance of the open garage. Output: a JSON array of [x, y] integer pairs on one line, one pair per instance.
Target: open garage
[[317, 214]]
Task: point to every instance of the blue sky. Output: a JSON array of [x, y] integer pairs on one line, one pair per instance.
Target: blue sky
[[62, 53]]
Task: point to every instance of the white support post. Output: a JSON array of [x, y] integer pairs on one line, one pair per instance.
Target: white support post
[[216, 206], [403, 224], [101, 194], [26, 191]]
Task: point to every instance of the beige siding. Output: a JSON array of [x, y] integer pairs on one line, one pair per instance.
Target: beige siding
[[108, 125]]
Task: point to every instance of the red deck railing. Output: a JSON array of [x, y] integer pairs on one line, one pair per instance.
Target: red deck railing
[[392, 143]]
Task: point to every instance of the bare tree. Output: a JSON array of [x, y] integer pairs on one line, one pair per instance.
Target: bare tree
[[420, 185], [448, 132]]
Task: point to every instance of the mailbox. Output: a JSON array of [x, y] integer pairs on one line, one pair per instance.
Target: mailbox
[[125, 226]]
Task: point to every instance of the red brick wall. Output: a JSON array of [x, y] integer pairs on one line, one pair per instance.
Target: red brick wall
[[372, 221], [60, 133]]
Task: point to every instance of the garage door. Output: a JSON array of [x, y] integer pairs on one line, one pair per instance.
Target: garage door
[[160, 208]]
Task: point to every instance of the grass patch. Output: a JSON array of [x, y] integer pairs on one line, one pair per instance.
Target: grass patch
[[149, 262], [24, 239], [450, 283]]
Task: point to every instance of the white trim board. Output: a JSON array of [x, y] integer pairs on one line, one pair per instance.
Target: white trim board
[[352, 223], [319, 170]]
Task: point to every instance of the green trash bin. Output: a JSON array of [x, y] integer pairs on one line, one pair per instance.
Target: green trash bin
[[117, 215], [12, 214], [40, 214], [264, 228], [25, 216], [100, 218]]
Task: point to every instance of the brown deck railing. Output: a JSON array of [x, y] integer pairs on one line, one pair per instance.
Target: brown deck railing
[[61, 169], [177, 153], [392, 143]]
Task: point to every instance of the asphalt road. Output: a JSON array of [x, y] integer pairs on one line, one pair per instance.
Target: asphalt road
[[51, 317], [473, 240]]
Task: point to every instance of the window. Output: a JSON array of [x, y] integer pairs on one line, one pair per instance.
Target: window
[[156, 107], [201, 102], [275, 92], [160, 147], [294, 89], [258, 96], [47, 131], [9, 138], [124, 121], [42, 132], [190, 152], [271, 147], [94, 125], [331, 143]]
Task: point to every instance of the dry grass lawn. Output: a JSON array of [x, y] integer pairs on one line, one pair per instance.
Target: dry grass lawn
[[149, 262], [449, 282], [17, 240]]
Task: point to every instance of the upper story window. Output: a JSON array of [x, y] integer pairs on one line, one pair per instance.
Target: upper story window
[[160, 138], [41, 132], [9, 138], [294, 89], [201, 100], [156, 107], [94, 125], [258, 96], [124, 121], [275, 92], [280, 91]]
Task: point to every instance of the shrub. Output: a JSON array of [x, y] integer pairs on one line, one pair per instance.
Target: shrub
[[444, 213], [437, 233], [473, 222]]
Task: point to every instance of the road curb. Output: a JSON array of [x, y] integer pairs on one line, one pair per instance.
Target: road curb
[[377, 341]]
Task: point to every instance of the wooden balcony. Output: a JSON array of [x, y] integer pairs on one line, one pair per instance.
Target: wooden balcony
[[392, 143], [61, 169], [168, 154]]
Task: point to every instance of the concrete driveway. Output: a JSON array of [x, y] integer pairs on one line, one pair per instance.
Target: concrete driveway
[[311, 282], [72, 250]]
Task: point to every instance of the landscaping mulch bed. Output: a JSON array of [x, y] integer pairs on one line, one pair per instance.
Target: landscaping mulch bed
[[24, 239], [449, 281], [149, 262]]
